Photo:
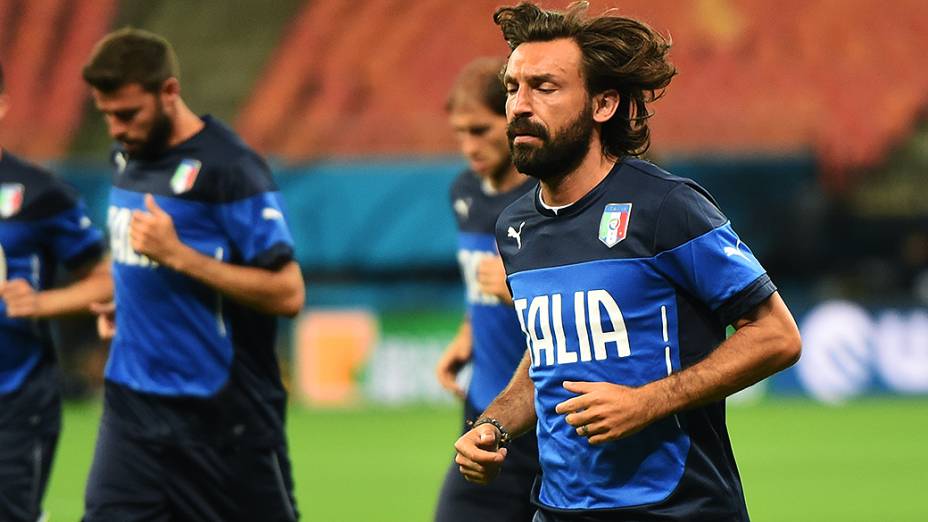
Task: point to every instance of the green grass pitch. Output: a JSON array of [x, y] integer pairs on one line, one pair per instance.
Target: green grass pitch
[[867, 461]]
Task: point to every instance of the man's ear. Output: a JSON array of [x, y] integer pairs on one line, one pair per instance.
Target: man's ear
[[4, 105], [604, 105], [170, 91]]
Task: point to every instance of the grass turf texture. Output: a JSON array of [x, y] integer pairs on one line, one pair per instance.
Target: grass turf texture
[[799, 461]]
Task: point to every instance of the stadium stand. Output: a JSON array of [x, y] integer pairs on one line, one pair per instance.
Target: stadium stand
[[768, 77], [46, 42]]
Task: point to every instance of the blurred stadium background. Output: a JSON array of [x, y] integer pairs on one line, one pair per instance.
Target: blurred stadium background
[[806, 119]]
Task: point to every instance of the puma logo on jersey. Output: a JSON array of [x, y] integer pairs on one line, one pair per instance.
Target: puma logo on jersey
[[270, 214], [462, 207], [735, 251], [516, 235]]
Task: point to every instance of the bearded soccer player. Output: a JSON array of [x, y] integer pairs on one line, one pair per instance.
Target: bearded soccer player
[[43, 225], [193, 413], [489, 337], [624, 278]]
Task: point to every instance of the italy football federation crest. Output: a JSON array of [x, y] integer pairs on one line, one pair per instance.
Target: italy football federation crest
[[185, 175], [614, 224], [11, 199]]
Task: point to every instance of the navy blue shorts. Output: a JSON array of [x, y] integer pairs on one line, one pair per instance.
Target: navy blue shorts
[[507, 498], [25, 463], [135, 480]]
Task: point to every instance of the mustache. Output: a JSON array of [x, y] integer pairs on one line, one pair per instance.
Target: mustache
[[523, 126]]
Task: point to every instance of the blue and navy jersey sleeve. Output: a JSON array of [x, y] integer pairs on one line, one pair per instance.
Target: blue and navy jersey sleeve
[[73, 240], [698, 249], [252, 215]]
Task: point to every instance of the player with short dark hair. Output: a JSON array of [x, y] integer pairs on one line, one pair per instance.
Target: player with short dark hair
[[43, 226], [489, 337], [624, 278], [193, 413]]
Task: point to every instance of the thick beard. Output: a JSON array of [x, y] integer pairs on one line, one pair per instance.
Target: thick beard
[[159, 135], [558, 157]]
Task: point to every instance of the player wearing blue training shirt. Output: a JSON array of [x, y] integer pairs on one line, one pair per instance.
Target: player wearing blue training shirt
[[489, 337], [43, 226], [624, 278], [193, 413]]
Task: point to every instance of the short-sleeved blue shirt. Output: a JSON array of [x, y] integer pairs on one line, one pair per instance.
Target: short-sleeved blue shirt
[[43, 225], [186, 362], [636, 280]]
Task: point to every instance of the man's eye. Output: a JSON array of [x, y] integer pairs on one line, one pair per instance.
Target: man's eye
[[124, 115]]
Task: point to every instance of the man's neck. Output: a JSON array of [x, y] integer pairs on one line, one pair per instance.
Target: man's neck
[[186, 125], [570, 188], [511, 179]]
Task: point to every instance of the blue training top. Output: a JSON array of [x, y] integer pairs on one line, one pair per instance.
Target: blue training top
[[177, 337], [43, 225], [498, 342], [636, 280]]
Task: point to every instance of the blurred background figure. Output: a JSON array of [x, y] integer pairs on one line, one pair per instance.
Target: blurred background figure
[[806, 121], [489, 337], [43, 227], [194, 408]]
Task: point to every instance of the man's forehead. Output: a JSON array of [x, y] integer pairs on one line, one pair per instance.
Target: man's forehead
[[559, 58], [129, 94], [471, 112]]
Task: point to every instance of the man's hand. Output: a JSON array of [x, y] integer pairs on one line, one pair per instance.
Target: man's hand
[[479, 456], [456, 355], [20, 298], [153, 235], [491, 277], [604, 411], [106, 319]]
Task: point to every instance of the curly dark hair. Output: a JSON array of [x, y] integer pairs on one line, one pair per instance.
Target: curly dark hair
[[619, 53]]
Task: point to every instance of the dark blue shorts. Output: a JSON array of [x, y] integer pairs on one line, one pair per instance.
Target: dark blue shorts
[[25, 463], [135, 480]]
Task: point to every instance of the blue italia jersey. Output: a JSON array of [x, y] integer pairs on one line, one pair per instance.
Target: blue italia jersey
[[177, 338], [43, 225], [636, 280], [498, 343]]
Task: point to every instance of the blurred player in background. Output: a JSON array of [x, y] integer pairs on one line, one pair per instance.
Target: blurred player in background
[[489, 336], [43, 224], [193, 413], [624, 278]]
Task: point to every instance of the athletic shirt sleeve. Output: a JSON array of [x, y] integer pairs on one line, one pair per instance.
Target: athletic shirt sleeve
[[253, 215], [73, 240], [700, 252]]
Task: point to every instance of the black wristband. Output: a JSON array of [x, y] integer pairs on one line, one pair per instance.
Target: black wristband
[[504, 436]]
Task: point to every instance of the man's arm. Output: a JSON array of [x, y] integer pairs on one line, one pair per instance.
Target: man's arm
[[479, 456], [765, 342], [491, 276], [94, 283], [456, 355], [278, 292]]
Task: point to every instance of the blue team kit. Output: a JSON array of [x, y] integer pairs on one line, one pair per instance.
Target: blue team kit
[[43, 224], [498, 343], [177, 337], [636, 280]]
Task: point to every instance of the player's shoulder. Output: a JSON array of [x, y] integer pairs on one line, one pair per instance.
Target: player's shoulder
[[464, 184], [229, 168], [684, 209], [31, 192]]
